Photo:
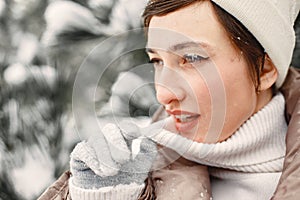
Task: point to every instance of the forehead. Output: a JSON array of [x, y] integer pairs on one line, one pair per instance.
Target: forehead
[[195, 23]]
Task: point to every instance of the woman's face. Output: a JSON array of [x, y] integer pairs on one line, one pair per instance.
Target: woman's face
[[200, 78]]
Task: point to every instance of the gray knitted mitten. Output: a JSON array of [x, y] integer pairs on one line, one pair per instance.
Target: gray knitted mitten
[[112, 158]]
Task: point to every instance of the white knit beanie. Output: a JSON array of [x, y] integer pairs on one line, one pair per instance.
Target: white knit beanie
[[271, 22]]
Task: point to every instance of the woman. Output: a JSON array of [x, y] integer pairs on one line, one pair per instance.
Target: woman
[[217, 75], [251, 102]]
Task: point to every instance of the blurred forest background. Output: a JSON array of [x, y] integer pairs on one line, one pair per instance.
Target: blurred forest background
[[42, 45]]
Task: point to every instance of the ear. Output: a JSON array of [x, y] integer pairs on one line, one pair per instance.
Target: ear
[[268, 75]]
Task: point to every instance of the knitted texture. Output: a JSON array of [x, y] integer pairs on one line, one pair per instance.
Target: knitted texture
[[258, 145], [120, 192], [110, 165], [271, 22]]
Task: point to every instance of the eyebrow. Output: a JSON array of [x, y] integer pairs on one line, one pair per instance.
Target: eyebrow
[[183, 45]]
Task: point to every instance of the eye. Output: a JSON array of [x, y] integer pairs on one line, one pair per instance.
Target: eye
[[157, 62], [193, 58]]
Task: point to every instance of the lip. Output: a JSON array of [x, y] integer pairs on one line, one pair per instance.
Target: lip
[[184, 126]]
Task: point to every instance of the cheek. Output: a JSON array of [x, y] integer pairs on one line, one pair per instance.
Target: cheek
[[239, 86], [201, 101], [240, 98], [201, 97], [212, 100]]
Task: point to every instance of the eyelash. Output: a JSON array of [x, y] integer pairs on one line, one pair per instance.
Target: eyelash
[[193, 58], [187, 59]]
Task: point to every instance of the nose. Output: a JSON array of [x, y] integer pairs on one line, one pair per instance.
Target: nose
[[168, 84]]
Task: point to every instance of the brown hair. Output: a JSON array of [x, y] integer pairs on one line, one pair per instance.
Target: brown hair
[[241, 37]]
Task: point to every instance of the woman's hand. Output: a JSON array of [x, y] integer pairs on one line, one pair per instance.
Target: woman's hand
[[112, 157]]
